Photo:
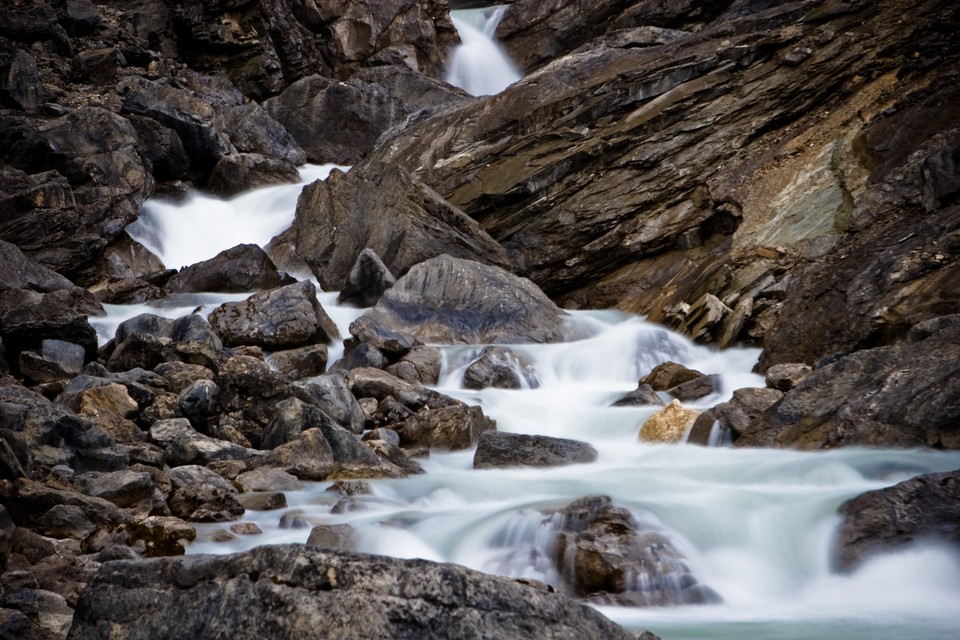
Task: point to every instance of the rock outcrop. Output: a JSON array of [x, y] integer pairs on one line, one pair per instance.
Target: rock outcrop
[[321, 594]]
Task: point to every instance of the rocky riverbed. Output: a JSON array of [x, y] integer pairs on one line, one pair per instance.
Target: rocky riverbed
[[781, 175]]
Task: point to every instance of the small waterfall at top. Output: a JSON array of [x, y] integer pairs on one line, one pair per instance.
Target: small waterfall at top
[[479, 65]]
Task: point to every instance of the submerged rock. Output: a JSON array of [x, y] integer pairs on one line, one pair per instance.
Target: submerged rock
[[502, 369], [609, 558]]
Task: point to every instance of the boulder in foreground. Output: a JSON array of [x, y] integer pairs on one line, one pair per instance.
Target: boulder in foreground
[[291, 591]]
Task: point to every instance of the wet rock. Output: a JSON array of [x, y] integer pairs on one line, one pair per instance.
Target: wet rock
[[360, 356], [391, 452], [252, 130], [422, 365], [236, 173], [607, 556], [696, 388], [284, 318], [738, 414], [366, 281], [308, 457], [873, 397], [377, 384], [498, 449], [266, 501], [291, 417], [923, 509], [405, 223], [139, 350], [331, 394], [162, 147], [392, 343], [642, 395], [184, 445], [204, 503], [669, 424], [784, 377], [346, 591], [340, 537], [452, 427], [668, 375], [448, 299], [502, 369], [267, 479], [237, 270], [303, 362]]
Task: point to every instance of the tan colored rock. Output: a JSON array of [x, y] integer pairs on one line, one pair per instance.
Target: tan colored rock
[[669, 424]]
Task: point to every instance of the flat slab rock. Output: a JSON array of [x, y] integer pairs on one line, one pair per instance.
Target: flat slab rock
[[291, 591]]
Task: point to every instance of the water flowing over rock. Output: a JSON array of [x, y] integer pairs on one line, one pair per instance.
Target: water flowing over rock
[[359, 595], [500, 368], [404, 222], [922, 510], [451, 300], [608, 558]]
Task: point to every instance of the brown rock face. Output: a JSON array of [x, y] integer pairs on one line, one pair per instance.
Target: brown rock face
[[925, 508], [782, 156]]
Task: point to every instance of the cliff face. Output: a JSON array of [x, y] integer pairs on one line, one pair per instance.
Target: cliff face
[[785, 175]]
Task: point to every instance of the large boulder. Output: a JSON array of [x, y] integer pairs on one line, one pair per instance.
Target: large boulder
[[874, 397], [284, 318], [242, 268], [923, 509], [404, 222], [500, 449], [17, 271], [292, 590], [451, 300]]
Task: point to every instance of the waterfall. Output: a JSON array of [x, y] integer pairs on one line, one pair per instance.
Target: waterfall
[[755, 525], [479, 65]]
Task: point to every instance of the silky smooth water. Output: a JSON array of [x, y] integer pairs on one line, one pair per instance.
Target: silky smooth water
[[755, 525], [479, 65]]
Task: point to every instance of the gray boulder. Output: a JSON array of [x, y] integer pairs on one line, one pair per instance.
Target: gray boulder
[[351, 595], [454, 427], [184, 445], [404, 222], [242, 268], [302, 362], [284, 318], [451, 300], [499, 449], [235, 173], [923, 509]]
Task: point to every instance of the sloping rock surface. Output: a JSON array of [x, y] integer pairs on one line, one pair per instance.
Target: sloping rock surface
[[296, 591]]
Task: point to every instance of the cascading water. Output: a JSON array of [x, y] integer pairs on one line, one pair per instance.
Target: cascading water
[[754, 525], [479, 65]]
